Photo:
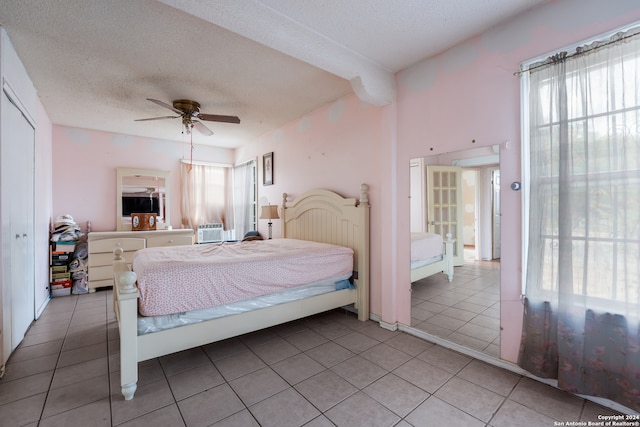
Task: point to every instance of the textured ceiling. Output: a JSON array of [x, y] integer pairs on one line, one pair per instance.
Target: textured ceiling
[[94, 63]]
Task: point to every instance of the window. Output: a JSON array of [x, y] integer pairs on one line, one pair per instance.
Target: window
[[245, 189], [206, 195], [220, 194], [584, 166]]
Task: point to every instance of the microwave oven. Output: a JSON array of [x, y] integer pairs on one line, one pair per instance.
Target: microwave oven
[[210, 233]]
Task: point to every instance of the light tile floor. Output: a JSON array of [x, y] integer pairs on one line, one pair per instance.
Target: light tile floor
[[465, 311], [325, 370]]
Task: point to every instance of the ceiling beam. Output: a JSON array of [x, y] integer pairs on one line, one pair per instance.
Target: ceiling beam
[[262, 24]]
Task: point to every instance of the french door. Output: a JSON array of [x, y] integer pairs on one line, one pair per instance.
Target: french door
[[444, 206]]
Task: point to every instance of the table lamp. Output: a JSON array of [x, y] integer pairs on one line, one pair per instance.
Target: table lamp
[[269, 212]]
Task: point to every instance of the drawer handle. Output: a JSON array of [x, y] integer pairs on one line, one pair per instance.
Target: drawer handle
[[170, 240]]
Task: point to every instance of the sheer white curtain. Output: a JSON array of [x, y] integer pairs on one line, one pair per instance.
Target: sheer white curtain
[[244, 198], [582, 298], [206, 195]]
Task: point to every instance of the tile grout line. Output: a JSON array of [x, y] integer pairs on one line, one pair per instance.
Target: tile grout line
[[55, 368]]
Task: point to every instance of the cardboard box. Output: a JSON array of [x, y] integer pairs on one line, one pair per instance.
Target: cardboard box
[[61, 276], [65, 247], [60, 288], [61, 292], [58, 269], [60, 258], [143, 221]]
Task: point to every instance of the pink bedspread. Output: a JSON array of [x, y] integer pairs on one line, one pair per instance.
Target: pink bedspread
[[425, 246], [184, 278]]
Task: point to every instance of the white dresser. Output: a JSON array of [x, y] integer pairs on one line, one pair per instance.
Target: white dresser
[[102, 243]]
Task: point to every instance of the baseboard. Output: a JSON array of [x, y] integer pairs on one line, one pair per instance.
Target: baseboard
[[383, 325], [42, 307]]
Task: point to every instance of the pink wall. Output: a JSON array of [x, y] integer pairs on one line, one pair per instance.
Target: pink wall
[[470, 93], [337, 147], [84, 171], [467, 93]]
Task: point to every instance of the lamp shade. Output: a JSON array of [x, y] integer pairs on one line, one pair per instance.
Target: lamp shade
[[269, 212]]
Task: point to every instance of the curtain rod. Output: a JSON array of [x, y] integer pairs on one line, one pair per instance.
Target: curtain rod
[[246, 162], [581, 51], [197, 163]]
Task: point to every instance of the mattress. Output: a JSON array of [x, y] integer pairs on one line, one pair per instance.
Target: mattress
[[424, 262], [150, 324], [425, 246], [179, 279]]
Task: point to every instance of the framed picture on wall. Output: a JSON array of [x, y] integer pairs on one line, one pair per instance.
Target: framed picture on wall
[[267, 169]]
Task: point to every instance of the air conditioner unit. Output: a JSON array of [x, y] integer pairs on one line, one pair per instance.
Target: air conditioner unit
[[209, 233]]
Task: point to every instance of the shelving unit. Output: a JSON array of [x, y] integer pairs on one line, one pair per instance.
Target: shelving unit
[[60, 255]]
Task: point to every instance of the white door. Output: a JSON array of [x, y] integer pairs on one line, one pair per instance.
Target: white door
[[417, 200], [18, 139], [444, 206], [495, 180]]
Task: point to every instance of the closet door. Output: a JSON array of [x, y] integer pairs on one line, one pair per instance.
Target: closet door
[[18, 140]]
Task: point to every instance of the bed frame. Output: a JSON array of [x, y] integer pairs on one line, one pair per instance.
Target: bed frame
[[444, 266], [318, 215]]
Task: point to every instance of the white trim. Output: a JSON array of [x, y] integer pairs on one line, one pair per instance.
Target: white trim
[[201, 163], [384, 325], [492, 159], [467, 351], [40, 310], [524, 176], [12, 96]]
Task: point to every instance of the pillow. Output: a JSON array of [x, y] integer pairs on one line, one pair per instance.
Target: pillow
[[252, 235]]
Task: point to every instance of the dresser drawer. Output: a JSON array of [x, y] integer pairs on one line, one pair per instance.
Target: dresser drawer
[[94, 284], [108, 245], [104, 272], [106, 258], [154, 242]]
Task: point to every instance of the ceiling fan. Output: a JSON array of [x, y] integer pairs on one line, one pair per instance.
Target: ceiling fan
[[189, 112]]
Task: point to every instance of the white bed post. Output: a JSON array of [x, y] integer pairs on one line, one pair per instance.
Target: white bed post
[[127, 312], [448, 256], [363, 254]]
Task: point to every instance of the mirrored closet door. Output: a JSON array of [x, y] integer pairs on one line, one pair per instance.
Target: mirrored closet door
[[459, 193]]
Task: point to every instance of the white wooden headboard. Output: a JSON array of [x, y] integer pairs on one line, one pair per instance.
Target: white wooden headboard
[[324, 216]]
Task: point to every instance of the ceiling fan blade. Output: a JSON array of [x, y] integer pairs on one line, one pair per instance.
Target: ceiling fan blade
[[218, 118], [157, 118], [165, 105], [202, 128]]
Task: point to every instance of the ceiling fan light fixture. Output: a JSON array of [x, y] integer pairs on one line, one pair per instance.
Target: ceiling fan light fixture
[[189, 110], [187, 123]]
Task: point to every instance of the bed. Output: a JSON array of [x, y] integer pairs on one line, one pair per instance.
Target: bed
[[317, 216], [430, 254]]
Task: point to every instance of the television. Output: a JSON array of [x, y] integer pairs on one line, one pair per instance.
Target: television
[[140, 204]]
